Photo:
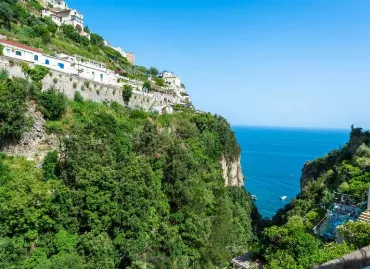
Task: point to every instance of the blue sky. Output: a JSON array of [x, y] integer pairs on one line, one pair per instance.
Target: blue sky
[[268, 63]]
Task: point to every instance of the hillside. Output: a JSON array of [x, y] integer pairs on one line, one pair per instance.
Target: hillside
[[304, 233], [121, 189]]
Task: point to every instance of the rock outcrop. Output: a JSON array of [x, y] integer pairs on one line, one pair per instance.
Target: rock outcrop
[[232, 172], [36, 143]]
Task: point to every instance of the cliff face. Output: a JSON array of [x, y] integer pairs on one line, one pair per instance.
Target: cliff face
[[35, 143], [310, 172], [232, 172]]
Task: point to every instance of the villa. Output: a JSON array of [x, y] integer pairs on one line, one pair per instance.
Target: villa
[[59, 12], [171, 79]]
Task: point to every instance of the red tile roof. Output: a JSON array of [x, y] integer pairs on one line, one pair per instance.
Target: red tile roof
[[21, 46]]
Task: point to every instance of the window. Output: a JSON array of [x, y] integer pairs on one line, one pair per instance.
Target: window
[[18, 53], [36, 58], [93, 73], [7, 50], [101, 77], [61, 65], [47, 61]]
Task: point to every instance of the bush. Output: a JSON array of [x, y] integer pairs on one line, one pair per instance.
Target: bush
[[54, 127], [13, 121], [153, 71], [1, 50], [127, 93], [4, 74], [37, 73], [55, 80], [78, 97], [74, 85], [159, 82], [147, 86], [87, 84], [52, 104]]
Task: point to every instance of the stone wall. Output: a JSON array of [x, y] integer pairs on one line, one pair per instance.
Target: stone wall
[[93, 91], [358, 259]]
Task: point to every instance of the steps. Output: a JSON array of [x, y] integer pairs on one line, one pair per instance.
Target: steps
[[365, 217]]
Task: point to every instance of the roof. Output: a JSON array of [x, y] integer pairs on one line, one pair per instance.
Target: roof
[[18, 45]]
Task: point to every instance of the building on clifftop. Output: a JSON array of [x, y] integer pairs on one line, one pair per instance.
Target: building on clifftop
[[61, 14]]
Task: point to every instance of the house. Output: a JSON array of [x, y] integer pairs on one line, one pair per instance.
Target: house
[[20, 52], [72, 65], [171, 79], [66, 16], [55, 4]]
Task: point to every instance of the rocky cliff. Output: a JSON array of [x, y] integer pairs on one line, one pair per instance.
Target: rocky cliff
[[232, 172], [35, 143]]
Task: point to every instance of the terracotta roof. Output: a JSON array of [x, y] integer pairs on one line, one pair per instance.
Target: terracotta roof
[[15, 44]]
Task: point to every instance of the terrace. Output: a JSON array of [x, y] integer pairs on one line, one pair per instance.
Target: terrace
[[342, 211]]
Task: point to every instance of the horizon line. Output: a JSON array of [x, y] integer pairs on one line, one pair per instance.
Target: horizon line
[[292, 127]]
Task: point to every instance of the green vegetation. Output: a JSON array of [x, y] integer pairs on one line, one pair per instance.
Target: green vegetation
[[1, 50], [13, 96], [127, 93], [159, 81], [290, 242], [52, 104], [21, 23], [147, 86], [126, 189]]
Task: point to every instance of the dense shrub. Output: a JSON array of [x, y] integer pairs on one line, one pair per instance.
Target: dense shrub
[[126, 93], [52, 104], [147, 86], [13, 121], [78, 97]]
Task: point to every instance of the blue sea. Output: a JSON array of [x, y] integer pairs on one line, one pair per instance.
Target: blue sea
[[272, 160]]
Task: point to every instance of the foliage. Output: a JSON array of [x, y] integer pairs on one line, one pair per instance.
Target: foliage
[[291, 246], [13, 97], [356, 233], [124, 191], [52, 104], [147, 86], [1, 50], [153, 71], [127, 93], [78, 97], [159, 81], [37, 73]]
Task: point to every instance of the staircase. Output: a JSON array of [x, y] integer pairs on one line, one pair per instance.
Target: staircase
[[365, 216]]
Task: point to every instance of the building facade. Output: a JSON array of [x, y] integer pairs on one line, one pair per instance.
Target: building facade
[[171, 79], [65, 15], [72, 65]]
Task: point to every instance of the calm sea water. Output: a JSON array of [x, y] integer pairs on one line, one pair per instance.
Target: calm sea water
[[272, 159]]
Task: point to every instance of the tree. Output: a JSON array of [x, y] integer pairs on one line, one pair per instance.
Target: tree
[[153, 71], [127, 93], [6, 15], [147, 86], [87, 30], [52, 104], [13, 123], [356, 233]]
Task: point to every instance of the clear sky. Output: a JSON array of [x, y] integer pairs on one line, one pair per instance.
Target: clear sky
[[299, 63]]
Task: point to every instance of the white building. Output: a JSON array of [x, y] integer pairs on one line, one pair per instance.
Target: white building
[[66, 16], [73, 65], [20, 52], [171, 79], [55, 4]]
